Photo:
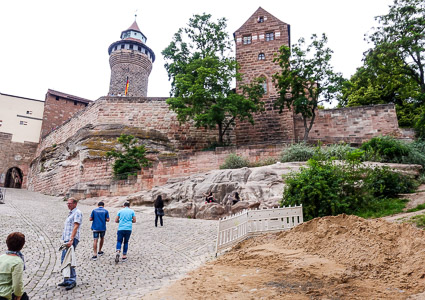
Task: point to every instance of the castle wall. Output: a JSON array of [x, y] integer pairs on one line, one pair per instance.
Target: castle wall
[[351, 124], [15, 154], [57, 110]]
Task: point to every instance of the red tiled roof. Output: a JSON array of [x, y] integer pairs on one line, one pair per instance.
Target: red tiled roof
[[68, 96], [134, 26]]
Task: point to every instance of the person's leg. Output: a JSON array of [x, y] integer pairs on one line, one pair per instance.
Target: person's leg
[[101, 243], [95, 247], [73, 276], [156, 219], [160, 220], [126, 239], [120, 237]]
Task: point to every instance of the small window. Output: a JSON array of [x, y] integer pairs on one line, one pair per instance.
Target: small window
[[269, 36], [57, 98], [29, 112], [131, 47], [1, 122], [247, 40], [261, 19], [139, 48], [264, 84], [261, 56], [75, 102], [135, 33], [122, 46], [22, 122]]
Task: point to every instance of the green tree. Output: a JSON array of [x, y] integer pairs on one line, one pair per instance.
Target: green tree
[[201, 73], [307, 79], [400, 40], [129, 160]]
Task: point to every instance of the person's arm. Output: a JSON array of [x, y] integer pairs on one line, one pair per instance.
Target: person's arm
[[73, 234], [117, 219], [107, 216], [134, 219], [17, 281], [91, 216]]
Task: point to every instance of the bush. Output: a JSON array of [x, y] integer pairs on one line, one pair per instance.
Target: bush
[[420, 126], [385, 149], [337, 151], [297, 152], [325, 188], [234, 161], [263, 162], [384, 183], [416, 154]]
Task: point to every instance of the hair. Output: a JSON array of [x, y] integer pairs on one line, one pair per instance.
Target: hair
[[101, 203], [127, 204], [158, 200], [15, 241], [73, 200], [236, 195]]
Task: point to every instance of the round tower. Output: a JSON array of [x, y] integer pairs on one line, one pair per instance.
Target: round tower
[[131, 63]]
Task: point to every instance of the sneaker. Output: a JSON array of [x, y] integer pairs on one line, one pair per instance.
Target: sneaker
[[100, 253], [71, 286], [63, 284], [94, 257], [124, 259], [117, 257]]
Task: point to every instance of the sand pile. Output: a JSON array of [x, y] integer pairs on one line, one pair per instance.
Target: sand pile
[[342, 257]]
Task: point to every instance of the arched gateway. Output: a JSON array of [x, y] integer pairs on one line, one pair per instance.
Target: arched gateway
[[13, 178]]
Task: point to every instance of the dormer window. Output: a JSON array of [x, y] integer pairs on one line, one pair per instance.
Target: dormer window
[[269, 36], [261, 56], [247, 39], [261, 19]]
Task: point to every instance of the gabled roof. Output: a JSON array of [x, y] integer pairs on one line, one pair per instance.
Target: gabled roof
[[68, 96], [259, 12]]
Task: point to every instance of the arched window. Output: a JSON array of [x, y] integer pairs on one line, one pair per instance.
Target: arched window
[[264, 84], [261, 56]]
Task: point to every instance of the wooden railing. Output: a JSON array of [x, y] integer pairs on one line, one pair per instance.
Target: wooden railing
[[247, 223]]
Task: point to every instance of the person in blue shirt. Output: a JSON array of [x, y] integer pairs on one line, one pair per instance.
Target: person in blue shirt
[[125, 219], [99, 216]]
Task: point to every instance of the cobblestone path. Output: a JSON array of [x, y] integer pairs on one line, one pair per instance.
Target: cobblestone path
[[155, 256]]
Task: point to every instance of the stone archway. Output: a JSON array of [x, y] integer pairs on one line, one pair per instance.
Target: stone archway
[[13, 178]]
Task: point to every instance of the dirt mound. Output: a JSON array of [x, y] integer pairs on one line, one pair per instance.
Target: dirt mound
[[342, 257]]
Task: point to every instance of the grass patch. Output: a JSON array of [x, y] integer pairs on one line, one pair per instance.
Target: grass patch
[[382, 208], [418, 221], [417, 208]]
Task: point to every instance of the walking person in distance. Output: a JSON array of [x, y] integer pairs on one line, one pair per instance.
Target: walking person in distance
[[125, 219], [99, 217], [159, 210]]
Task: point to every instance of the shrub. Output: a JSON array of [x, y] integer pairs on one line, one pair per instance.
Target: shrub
[[385, 149], [337, 151], [420, 126], [129, 160], [325, 188], [264, 162], [234, 161], [297, 152], [384, 183], [416, 154]]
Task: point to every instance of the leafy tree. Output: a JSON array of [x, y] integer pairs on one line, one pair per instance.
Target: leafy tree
[[400, 40], [201, 74], [307, 79], [130, 160]]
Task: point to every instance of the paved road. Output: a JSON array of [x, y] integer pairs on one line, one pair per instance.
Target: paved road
[[155, 256]]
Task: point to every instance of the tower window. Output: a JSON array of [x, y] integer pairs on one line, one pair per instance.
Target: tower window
[[139, 48], [269, 36], [261, 19], [57, 98], [75, 102], [29, 112], [122, 46], [247, 40], [264, 85], [261, 56], [1, 122], [22, 122], [131, 47]]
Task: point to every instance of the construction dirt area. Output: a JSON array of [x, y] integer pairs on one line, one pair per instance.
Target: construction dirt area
[[340, 257]]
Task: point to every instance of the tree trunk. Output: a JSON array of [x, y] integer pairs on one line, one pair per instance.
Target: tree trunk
[[308, 128]]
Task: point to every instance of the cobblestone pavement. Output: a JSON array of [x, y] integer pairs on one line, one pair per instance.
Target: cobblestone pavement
[[155, 256]]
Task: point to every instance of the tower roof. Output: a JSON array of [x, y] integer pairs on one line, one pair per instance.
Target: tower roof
[[253, 19], [134, 27]]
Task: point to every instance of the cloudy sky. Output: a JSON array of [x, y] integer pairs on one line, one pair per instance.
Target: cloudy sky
[[62, 45]]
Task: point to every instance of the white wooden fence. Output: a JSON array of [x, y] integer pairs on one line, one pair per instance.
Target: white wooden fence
[[247, 223]]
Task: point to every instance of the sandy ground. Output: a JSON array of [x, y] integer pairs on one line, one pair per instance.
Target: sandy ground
[[342, 257]]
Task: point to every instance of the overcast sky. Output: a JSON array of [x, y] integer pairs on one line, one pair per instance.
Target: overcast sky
[[62, 45]]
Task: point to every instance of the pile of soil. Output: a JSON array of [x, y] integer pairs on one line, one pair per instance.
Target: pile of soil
[[342, 257]]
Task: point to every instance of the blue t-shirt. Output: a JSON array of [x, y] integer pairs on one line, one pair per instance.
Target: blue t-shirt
[[126, 219], [99, 216]]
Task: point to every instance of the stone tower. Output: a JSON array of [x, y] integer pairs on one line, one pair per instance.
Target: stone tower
[[257, 40], [130, 59]]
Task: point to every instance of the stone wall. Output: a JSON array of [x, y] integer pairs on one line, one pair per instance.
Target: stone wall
[[15, 155], [352, 124], [59, 108]]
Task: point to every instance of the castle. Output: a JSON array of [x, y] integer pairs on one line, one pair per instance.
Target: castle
[[70, 156]]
